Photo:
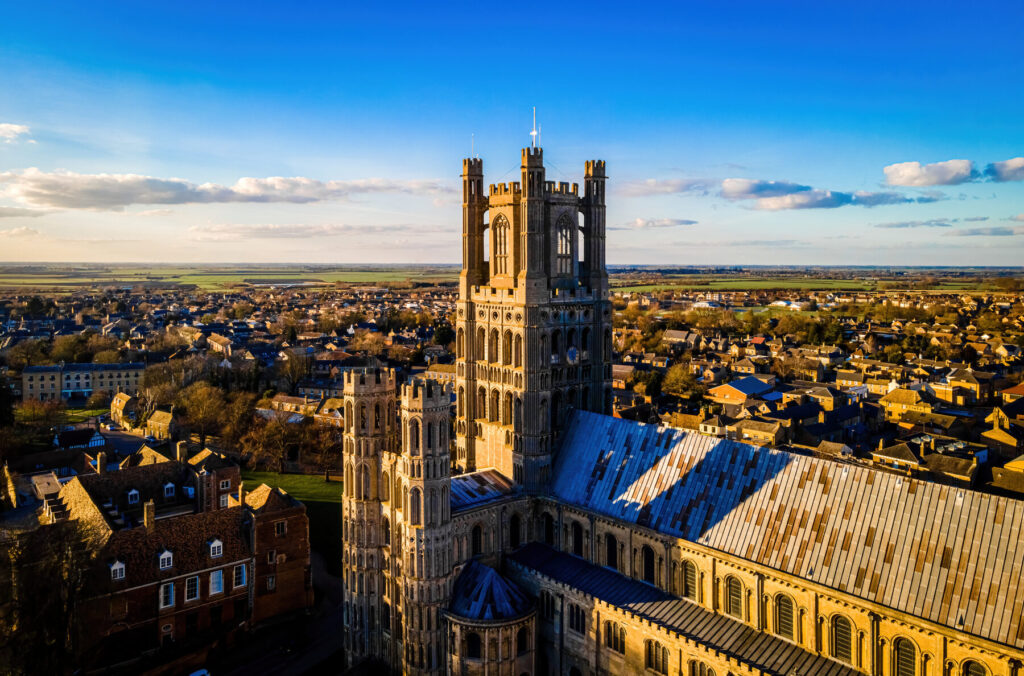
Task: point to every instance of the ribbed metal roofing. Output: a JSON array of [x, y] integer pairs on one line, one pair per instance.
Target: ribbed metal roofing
[[481, 593], [949, 555], [477, 488], [769, 654]]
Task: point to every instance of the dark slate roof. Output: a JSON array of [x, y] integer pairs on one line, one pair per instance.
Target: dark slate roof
[[938, 552], [481, 593], [768, 654], [478, 488]]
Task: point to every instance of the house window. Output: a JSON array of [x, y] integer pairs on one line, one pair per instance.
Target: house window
[[690, 580], [239, 576], [216, 582], [168, 490], [117, 571], [225, 484], [271, 582], [192, 588], [272, 556], [842, 639], [784, 616], [216, 548], [224, 500], [167, 595], [734, 597], [133, 497], [280, 528], [166, 560], [904, 658]]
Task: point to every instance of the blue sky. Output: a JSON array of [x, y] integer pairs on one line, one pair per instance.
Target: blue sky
[[771, 133]]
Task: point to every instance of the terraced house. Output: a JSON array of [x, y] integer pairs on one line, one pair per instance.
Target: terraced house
[[571, 542]]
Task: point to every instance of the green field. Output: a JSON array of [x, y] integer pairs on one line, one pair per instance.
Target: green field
[[71, 277], [323, 507], [694, 282]]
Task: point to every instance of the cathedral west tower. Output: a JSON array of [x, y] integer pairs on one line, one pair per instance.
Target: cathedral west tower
[[533, 324]]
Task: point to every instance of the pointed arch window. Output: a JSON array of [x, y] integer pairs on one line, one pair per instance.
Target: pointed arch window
[[564, 257], [502, 235]]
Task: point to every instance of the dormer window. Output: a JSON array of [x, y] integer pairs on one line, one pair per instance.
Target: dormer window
[[166, 559], [168, 490], [133, 497], [117, 570], [216, 548]]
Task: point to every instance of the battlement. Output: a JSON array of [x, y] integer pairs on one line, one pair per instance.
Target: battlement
[[368, 380], [422, 393], [511, 188], [533, 157], [472, 166], [562, 188], [594, 169]]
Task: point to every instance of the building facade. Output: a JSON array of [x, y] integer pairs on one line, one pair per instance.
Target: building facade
[[560, 540], [77, 382]]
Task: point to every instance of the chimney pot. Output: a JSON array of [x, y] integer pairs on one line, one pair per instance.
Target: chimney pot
[[101, 462]]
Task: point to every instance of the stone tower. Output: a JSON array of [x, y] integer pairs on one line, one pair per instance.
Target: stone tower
[[424, 472], [370, 436], [533, 324]]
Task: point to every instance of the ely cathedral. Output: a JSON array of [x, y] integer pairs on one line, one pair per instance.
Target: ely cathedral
[[538, 535]]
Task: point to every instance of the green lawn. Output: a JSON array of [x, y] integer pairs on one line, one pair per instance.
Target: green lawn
[[77, 415], [323, 507]]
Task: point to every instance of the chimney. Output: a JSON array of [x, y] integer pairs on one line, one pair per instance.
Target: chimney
[[101, 462], [149, 516], [182, 451], [881, 444], [241, 493]]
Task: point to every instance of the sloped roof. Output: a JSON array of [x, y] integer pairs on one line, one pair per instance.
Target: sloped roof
[[938, 552], [481, 593], [477, 488], [267, 499]]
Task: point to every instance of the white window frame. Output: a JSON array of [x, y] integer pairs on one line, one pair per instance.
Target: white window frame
[[225, 484], [168, 490], [166, 559], [192, 588], [133, 497], [271, 582], [235, 576], [224, 500], [117, 570], [218, 588], [167, 591], [216, 549]]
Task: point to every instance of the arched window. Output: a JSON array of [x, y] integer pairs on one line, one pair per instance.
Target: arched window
[[377, 420], [522, 641], [492, 410], [577, 538], [513, 531], [414, 437], [690, 580], [615, 637], [385, 487], [506, 410], [460, 344], [700, 669], [506, 348], [430, 436], [362, 417], [549, 530], [611, 551], [492, 347], [481, 403], [481, 344], [517, 413], [432, 516], [564, 255], [904, 658], [518, 357], [502, 235], [473, 645], [585, 343], [972, 668], [556, 344], [784, 616], [462, 402], [656, 657], [385, 532], [734, 597], [367, 494], [414, 506], [647, 563], [477, 540], [842, 639]]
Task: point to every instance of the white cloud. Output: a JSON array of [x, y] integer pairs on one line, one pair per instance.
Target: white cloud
[[1007, 170], [18, 212], [233, 232], [1018, 217], [10, 132], [915, 174], [666, 186], [749, 188], [21, 233], [642, 223], [69, 190], [153, 212], [995, 231], [933, 223]]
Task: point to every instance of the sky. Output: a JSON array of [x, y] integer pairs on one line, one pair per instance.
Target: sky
[[784, 133]]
